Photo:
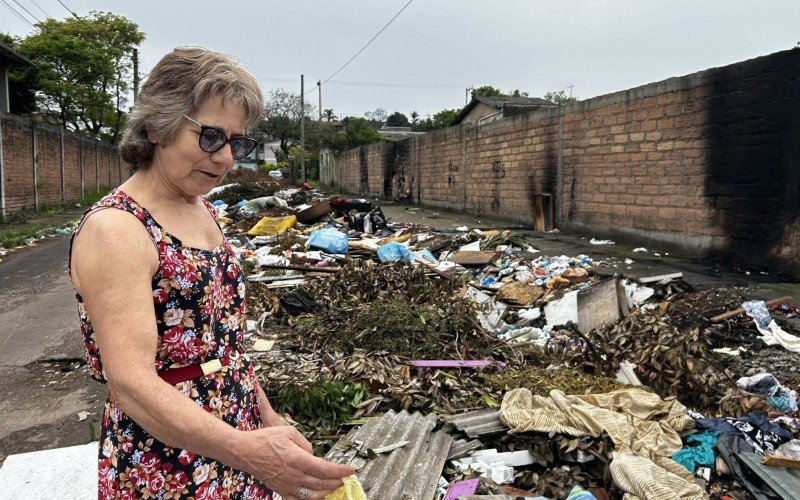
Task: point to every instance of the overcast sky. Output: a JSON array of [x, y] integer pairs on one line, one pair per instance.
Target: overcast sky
[[597, 46]]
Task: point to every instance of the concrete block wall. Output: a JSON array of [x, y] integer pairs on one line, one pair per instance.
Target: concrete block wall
[[88, 165], [707, 162]]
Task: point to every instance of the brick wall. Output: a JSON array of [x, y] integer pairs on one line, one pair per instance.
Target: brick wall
[[704, 163], [88, 165]]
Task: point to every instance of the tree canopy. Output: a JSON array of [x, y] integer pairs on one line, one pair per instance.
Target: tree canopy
[[281, 118], [84, 71], [489, 91], [441, 119], [397, 119], [559, 97]]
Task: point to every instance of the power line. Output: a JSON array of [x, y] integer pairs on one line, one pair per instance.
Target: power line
[[26, 10], [46, 15], [373, 84], [368, 43], [20, 16]]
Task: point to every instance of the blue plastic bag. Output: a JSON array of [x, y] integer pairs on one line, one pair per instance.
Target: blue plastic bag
[[328, 240], [393, 251]]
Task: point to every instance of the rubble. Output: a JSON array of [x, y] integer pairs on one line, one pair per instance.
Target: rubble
[[364, 325]]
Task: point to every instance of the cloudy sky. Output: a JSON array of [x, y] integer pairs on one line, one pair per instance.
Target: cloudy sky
[[434, 49]]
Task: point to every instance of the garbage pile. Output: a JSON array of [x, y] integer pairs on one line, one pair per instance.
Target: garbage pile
[[466, 363]]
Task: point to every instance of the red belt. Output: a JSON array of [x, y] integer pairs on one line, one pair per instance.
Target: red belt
[[177, 375]]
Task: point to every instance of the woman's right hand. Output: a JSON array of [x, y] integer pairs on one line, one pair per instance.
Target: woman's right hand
[[282, 458]]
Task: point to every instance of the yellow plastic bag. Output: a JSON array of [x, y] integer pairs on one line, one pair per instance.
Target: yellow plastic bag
[[270, 226], [350, 490]]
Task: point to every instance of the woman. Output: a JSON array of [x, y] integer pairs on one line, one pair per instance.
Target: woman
[[161, 300]]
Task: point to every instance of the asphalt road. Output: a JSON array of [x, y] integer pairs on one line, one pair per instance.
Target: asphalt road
[[43, 381]]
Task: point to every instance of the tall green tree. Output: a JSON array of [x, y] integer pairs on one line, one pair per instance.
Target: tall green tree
[[397, 119], [281, 117], [84, 73]]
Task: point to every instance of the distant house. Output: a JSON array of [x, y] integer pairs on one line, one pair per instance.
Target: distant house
[[9, 59], [485, 109], [396, 133]]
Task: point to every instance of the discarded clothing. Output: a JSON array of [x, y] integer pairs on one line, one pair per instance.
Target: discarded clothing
[[790, 449], [298, 301], [578, 493], [729, 448], [763, 435], [699, 451], [768, 387], [644, 428]]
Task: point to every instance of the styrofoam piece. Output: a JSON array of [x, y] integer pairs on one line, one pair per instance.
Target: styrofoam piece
[[69, 472]]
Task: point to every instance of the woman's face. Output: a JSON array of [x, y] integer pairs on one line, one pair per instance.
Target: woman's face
[[184, 167]]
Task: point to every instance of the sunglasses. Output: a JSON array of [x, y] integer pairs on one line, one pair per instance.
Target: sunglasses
[[213, 139]]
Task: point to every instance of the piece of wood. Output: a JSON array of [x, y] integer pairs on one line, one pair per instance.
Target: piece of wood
[[661, 277], [778, 461], [454, 363], [303, 268], [538, 212], [468, 258], [738, 312]]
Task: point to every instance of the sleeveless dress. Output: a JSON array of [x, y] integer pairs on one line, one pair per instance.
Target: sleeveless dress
[[199, 304]]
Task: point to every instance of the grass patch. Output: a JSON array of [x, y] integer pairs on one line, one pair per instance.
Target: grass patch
[[16, 237], [52, 209]]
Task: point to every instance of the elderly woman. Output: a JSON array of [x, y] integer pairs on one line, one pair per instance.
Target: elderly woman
[[161, 301]]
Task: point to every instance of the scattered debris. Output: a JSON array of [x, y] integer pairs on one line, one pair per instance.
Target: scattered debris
[[393, 346]]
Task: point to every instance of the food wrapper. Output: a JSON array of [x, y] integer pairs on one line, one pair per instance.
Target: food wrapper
[[350, 490]]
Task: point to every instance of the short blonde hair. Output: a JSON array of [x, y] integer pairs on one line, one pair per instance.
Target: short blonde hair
[[178, 85]]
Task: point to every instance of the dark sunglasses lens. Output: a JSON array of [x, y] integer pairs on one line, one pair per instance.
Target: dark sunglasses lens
[[212, 140], [241, 147]]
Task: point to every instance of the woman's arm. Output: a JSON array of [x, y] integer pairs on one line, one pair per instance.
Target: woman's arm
[[112, 267]]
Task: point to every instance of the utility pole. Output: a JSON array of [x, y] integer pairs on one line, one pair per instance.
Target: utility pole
[[570, 90], [466, 95], [302, 130], [135, 59], [319, 89]]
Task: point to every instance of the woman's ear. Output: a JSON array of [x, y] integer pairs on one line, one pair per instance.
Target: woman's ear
[[150, 136]]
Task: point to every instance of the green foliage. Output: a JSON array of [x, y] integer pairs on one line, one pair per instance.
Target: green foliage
[[329, 115], [441, 119], [84, 71], [357, 132], [559, 97], [397, 119], [489, 91], [323, 406], [282, 115]]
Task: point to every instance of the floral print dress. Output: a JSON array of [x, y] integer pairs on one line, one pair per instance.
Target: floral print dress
[[199, 304]]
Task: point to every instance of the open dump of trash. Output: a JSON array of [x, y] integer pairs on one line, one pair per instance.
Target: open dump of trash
[[467, 364]]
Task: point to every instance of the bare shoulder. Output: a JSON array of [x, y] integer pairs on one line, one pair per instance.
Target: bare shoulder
[[112, 241]]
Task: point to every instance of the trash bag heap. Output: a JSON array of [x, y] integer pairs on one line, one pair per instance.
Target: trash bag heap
[[466, 363]]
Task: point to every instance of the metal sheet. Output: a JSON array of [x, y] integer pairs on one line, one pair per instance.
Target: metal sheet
[[478, 423], [410, 472], [461, 447], [785, 482]]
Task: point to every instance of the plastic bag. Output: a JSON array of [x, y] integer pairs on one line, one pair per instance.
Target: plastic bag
[[270, 226], [328, 240], [394, 251], [350, 490]]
